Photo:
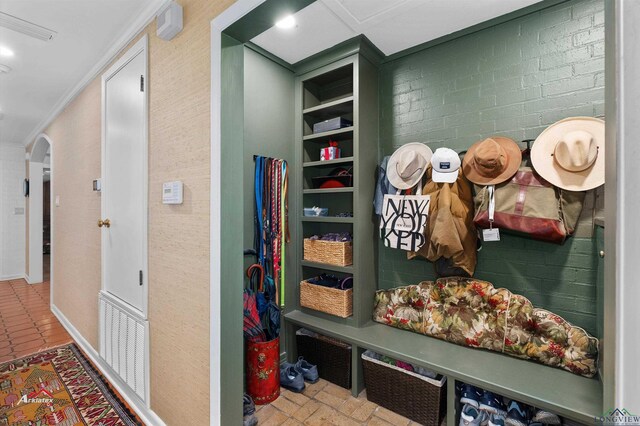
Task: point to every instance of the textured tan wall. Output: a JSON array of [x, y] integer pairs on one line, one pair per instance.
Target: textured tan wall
[[179, 137], [76, 238]]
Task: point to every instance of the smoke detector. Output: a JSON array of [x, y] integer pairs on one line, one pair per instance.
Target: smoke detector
[[4, 68]]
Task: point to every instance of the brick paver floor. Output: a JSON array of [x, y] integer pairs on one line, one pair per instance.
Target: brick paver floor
[[324, 403]]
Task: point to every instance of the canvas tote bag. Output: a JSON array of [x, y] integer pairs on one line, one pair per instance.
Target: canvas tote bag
[[529, 205], [403, 221]]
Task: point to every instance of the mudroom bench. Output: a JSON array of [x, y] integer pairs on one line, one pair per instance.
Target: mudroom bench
[[561, 392]]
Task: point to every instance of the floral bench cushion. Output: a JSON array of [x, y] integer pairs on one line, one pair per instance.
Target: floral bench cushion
[[473, 313]]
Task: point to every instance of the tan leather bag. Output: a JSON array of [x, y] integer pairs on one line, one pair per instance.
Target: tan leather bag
[[529, 205]]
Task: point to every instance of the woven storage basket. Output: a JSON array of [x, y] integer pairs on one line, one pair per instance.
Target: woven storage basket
[[333, 301], [409, 394], [329, 252], [332, 356]]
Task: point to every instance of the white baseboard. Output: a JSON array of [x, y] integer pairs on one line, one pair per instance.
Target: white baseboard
[[12, 277], [148, 416]]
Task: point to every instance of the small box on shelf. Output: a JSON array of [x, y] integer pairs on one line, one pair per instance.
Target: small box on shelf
[[331, 124]]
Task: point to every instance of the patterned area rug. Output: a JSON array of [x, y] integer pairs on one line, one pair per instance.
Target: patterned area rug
[[58, 387]]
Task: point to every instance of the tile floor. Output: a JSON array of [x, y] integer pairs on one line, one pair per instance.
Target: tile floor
[[27, 324], [324, 403]]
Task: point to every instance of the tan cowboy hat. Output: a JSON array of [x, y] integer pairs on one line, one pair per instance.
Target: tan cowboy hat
[[407, 165], [570, 153], [492, 161]]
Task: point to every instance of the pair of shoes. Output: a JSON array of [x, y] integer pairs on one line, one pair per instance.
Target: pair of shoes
[[483, 400], [518, 414], [545, 417], [293, 376], [248, 408], [474, 416], [471, 416]]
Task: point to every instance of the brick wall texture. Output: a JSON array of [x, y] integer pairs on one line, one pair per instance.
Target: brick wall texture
[[513, 79]]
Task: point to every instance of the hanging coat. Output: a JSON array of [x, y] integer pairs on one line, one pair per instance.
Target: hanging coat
[[450, 234]]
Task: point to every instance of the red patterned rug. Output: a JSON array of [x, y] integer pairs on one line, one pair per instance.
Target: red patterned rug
[[58, 387]]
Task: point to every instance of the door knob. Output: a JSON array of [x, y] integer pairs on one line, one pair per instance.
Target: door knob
[[105, 223]]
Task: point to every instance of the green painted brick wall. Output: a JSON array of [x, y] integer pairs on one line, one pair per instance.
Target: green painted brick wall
[[513, 79]]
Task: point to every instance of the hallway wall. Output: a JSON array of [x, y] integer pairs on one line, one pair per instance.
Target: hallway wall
[[12, 240], [179, 149]]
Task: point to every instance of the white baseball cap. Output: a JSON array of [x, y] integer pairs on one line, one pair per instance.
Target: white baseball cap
[[445, 163]]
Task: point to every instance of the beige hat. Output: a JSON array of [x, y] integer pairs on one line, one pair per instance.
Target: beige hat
[[492, 161], [407, 165], [570, 153]]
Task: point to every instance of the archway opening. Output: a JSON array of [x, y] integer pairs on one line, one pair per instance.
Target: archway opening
[[38, 253]]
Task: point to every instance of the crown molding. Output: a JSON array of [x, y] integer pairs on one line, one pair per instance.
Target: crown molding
[[119, 43]]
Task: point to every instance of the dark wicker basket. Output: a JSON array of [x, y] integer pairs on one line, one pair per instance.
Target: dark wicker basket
[[409, 394], [332, 356]]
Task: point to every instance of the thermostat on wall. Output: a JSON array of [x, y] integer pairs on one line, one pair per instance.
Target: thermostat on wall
[[172, 192]]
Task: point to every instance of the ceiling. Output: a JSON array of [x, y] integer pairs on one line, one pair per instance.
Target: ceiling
[[392, 25], [43, 72]]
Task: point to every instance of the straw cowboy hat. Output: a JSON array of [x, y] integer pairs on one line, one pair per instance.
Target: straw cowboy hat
[[492, 161], [407, 165], [570, 153]]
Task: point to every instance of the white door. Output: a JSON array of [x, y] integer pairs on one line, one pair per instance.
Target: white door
[[124, 178]]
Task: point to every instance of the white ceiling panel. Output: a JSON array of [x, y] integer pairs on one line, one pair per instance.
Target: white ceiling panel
[[44, 71], [317, 29], [392, 25]]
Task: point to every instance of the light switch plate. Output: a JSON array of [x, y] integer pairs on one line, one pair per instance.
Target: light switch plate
[[57, 201]]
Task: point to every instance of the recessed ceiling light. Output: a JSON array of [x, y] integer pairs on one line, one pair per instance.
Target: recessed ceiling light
[[286, 22], [5, 51]]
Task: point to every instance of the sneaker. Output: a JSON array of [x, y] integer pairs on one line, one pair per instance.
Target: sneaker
[[471, 416], [291, 379], [248, 408], [492, 403], [470, 395], [496, 420], [309, 371], [545, 417], [517, 414]]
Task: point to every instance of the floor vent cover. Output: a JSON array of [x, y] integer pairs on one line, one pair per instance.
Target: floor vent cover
[[124, 343]]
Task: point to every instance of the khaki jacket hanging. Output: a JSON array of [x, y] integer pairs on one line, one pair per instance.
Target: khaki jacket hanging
[[450, 232]]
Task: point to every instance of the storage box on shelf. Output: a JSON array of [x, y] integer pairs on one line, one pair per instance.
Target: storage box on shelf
[[329, 252], [419, 398], [334, 301], [332, 356]]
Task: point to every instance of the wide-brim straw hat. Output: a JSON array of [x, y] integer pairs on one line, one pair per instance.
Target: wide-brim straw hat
[[408, 164], [570, 153], [492, 160]]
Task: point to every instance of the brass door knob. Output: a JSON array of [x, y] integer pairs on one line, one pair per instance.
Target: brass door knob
[[106, 223]]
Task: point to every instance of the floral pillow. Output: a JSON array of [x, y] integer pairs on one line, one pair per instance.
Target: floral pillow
[[473, 313]]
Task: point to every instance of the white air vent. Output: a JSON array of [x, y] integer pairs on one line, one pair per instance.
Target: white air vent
[[4, 68], [25, 27], [124, 343]]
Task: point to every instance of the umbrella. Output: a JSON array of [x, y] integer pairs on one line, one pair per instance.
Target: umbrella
[[271, 317], [265, 295], [251, 324], [254, 301]]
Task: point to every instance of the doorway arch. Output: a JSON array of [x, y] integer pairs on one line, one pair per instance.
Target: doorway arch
[[40, 156]]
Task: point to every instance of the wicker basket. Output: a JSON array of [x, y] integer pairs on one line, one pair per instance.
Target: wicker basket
[[409, 394], [333, 301], [332, 356], [329, 252]]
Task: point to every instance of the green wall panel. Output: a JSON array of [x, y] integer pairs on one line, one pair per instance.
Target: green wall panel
[[513, 79]]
